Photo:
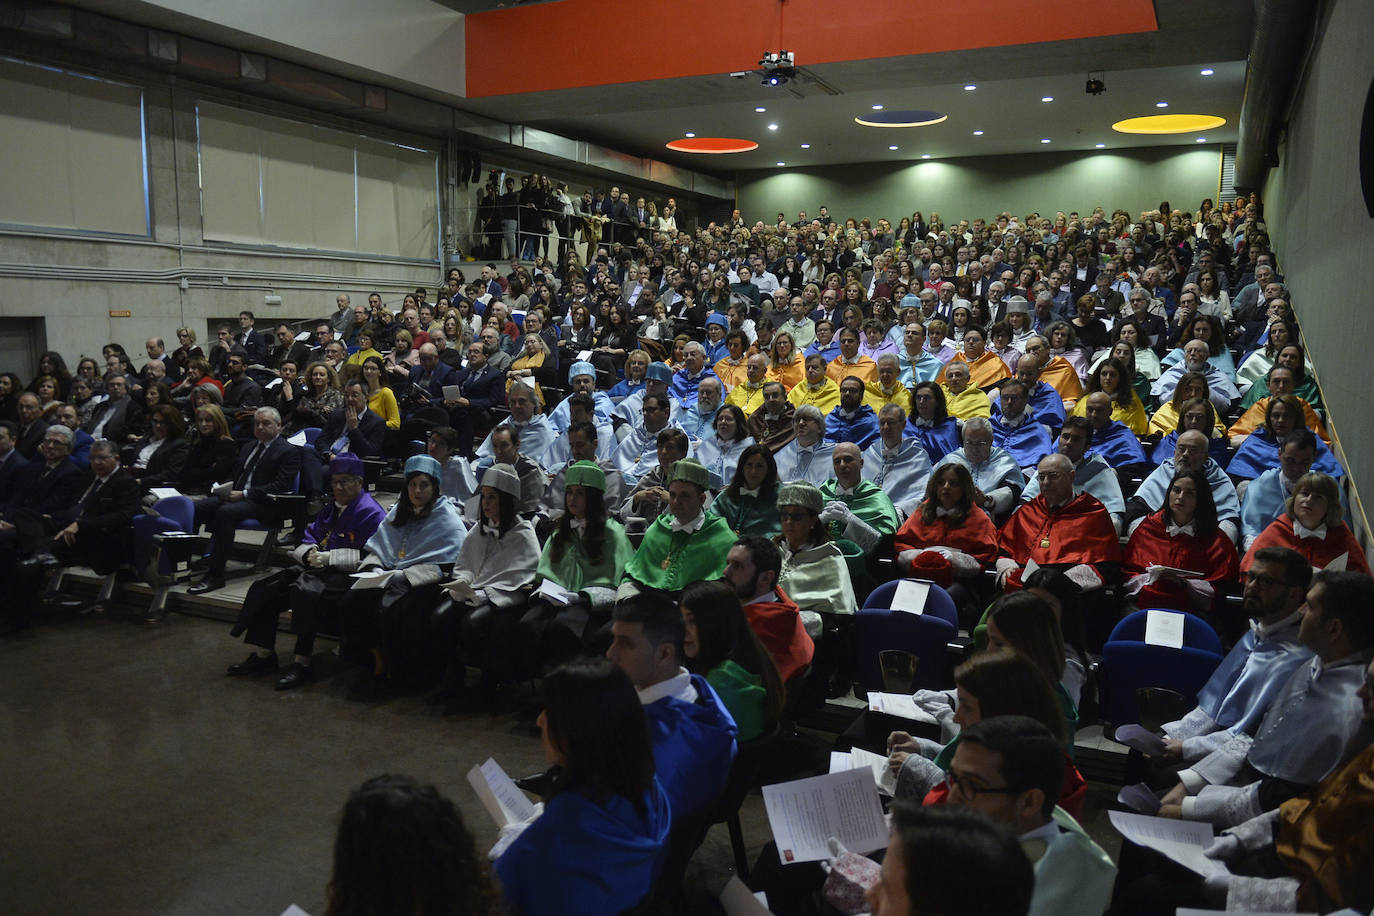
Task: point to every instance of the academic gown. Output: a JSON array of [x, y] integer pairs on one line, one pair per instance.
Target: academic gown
[[825, 396], [1217, 450], [902, 474], [1130, 415], [694, 746], [1044, 405], [1253, 419], [968, 403], [720, 462], [1118, 446], [1061, 375], [747, 396], [1080, 531], [1155, 489], [1237, 695], [1000, 470], [814, 464], [1259, 452], [922, 369], [859, 427], [1027, 442], [748, 513], [1318, 551], [671, 560], [868, 501], [985, 371], [778, 625], [938, 440], [436, 538], [790, 375], [1093, 476], [535, 438], [877, 397], [1152, 545], [975, 536], [575, 571], [586, 858], [817, 578], [862, 368]]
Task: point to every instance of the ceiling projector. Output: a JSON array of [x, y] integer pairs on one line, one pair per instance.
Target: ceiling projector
[[777, 67]]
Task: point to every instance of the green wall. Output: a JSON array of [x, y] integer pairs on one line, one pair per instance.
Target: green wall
[[1324, 235], [1136, 180]]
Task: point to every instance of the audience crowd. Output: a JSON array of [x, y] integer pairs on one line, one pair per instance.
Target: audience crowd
[[697, 453]]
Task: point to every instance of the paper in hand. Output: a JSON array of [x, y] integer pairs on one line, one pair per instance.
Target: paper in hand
[[1142, 739], [805, 813], [499, 794], [1182, 841]]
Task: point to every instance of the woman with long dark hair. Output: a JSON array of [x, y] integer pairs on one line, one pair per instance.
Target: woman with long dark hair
[[749, 503], [421, 535], [52, 364], [1182, 535], [585, 558], [491, 579], [721, 646], [599, 843]]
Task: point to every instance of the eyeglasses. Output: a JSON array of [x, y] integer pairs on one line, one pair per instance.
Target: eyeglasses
[[1263, 581], [962, 785], [799, 515]]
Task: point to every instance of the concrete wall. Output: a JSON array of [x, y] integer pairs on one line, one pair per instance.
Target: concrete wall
[[1136, 179], [72, 280], [1323, 233]]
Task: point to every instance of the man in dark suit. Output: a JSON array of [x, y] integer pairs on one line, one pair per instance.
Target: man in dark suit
[[112, 419], [287, 347], [265, 466], [32, 424], [242, 395], [249, 339], [44, 500], [624, 220], [483, 387], [10, 459], [352, 428], [428, 379], [99, 535]]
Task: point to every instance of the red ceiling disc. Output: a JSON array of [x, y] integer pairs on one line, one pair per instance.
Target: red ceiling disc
[[714, 145]]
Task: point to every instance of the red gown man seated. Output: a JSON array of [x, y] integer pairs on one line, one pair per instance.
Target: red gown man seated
[[1057, 528], [752, 568]]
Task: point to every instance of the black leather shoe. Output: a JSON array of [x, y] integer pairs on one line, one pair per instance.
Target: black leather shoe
[[254, 665], [296, 675], [206, 584]]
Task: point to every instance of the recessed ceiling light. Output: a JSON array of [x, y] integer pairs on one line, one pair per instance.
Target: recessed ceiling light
[[1208, 72], [901, 119], [782, 163], [1047, 98], [760, 109], [772, 127], [1202, 139], [1101, 146], [1161, 104], [877, 108], [970, 87], [978, 133], [1044, 139], [925, 155], [894, 146], [689, 134], [806, 146]]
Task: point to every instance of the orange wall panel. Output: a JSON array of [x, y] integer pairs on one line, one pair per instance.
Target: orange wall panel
[[579, 43]]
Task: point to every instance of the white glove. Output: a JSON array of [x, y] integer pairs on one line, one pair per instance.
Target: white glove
[[317, 559], [1225, 848], [836, 511]]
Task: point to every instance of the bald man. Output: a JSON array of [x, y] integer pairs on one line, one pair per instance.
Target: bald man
[[1060, 528], [856, 509]]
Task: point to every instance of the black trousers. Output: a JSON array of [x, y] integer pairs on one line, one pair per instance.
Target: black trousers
[[223, 520], [394, 621], [313, 595]]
